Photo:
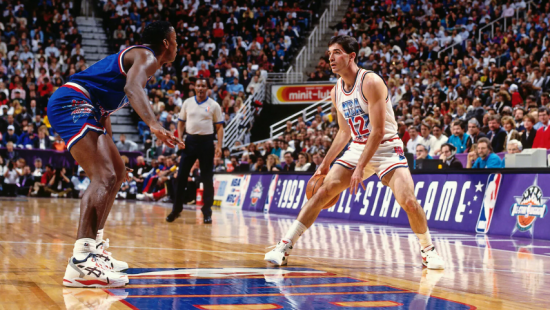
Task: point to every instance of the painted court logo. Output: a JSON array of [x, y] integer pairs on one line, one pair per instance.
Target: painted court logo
[[256, 194], [530, 206]]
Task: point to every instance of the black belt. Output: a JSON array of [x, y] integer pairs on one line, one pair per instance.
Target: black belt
[[199, 137]]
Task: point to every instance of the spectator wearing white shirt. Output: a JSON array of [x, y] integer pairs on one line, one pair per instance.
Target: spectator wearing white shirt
[[231, 72], [303, 163], [427, 139], [209, 45], [126, 145], [191, 69], [440, 138], [414, 140], [80, 183]]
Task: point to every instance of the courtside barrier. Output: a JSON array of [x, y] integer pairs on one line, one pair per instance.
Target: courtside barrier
[[501, 203]]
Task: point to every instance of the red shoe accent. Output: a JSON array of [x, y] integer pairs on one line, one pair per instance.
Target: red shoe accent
[[424, 258], [92, 282], [285, 242], [65, 280], [286, 254]]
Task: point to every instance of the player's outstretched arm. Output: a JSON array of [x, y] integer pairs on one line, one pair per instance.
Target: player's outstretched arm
[[145, 65], [342, 138]]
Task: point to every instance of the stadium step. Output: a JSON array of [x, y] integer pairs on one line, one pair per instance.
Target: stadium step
[[95, 49], [121, 119], [130, 136], [92, 29], [123, 112], [124, 128], [94, 35], [83, 20]]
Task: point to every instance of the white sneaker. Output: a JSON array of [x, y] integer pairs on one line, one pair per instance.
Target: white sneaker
[[107, 257], [90, 273], [431, 259], [279, 255]]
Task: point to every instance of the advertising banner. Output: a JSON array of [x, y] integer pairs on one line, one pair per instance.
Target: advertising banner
[[497, 204], [450, 201], [300, 93], [522, 207], [230, 189]]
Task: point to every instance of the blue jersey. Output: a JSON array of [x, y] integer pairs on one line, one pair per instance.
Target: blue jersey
[[105, 81]]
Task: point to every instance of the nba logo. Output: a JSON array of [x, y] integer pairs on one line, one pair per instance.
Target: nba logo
[[489, 202]]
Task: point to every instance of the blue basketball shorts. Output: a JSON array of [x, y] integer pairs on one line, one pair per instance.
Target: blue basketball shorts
[[72, 114]]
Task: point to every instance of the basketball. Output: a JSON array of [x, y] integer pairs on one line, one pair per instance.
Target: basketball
[[314, 184]]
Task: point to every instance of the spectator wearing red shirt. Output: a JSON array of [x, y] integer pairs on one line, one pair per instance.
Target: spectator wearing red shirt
[[542, 138], [45, 88]]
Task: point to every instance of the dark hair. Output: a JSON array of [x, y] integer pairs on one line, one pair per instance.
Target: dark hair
[[460, 123], [544, 109], [155, 33], [487, 141], [494, 117], [349, 44]]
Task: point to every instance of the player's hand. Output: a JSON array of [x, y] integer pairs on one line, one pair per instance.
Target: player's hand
[[218, 151], [323, 169], [128, 171], [165, 136], [356, 179]]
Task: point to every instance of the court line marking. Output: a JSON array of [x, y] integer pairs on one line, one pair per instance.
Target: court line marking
[[301, 256], [269, 295]]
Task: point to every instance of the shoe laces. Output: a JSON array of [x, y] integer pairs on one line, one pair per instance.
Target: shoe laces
[[280, 246], [105, 247]]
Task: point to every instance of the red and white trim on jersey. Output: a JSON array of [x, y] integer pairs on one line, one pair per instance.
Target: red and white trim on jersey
[[361, 91], [121, 57], [345, 164], [354, 84], [77, 88], [393, 167], [82, 132]]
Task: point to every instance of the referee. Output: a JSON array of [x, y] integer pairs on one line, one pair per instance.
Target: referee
[[198, 117]]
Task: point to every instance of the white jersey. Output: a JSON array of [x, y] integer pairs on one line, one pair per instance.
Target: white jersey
[[353, 106]]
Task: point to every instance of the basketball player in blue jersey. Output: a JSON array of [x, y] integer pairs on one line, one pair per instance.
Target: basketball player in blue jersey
[[80, 112], [365, 115]]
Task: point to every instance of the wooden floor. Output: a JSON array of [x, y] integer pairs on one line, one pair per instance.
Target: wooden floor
[[188, 265]]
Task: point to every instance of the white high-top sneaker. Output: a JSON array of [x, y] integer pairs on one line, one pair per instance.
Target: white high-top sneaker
[[89, 272], [107, 257], [431, 259], [279, 255]]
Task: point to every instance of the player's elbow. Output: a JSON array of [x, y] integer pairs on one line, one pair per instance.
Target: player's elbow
[[130, 91], [377, 134]]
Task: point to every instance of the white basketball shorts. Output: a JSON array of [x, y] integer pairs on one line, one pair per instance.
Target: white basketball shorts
[[388, 157]]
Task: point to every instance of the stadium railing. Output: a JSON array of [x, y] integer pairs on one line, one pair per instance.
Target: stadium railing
[[238, 126], [305, 54], [492, 24], [308, 114]]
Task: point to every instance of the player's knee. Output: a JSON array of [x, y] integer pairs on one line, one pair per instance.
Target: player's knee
[[108, 180], [326, 190], [410, 204]]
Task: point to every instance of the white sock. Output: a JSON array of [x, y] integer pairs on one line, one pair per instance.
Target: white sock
[[99, 237], [295, 231], [83, 247], [425, 239]]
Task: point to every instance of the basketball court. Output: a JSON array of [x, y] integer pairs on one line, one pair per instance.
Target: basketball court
[[188, 265]]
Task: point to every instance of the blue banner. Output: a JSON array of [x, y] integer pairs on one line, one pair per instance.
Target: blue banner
[[503, 204]]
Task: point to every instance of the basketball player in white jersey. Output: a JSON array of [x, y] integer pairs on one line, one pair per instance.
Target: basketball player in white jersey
[[366, 116]]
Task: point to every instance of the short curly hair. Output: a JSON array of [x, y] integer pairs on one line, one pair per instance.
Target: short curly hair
[[155, 33]]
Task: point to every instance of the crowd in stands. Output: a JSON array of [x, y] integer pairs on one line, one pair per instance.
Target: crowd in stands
[[234, 44], [480, 97]]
